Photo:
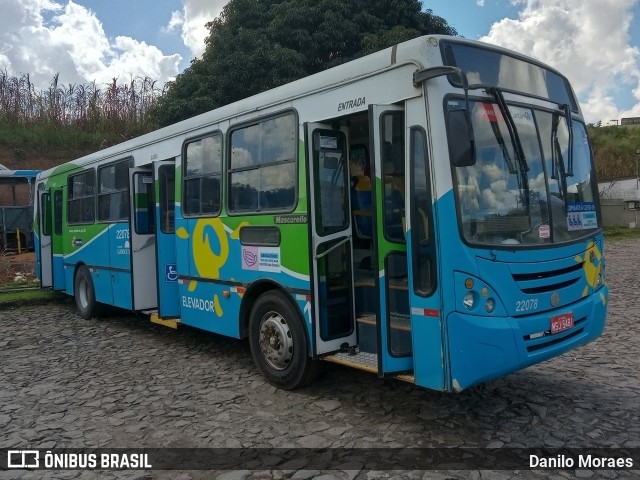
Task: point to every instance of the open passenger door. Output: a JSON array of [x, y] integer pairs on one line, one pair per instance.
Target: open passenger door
[[57, 247], [331, 238], [164, 175], [143, 240], [45, 255], [391, 276]]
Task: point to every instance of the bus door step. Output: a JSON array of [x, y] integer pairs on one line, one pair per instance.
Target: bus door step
[[165, 322]]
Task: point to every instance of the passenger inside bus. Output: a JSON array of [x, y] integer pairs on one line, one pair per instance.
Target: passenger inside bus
[[361, 196]]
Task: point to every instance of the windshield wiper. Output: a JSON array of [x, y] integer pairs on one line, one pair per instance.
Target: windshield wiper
[[503, 148], [557, 160], [567, 112], [515, 140]]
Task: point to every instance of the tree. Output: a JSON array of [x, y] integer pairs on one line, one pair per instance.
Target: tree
[[255, 45]]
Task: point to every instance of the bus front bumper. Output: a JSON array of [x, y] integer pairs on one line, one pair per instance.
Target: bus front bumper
[[485, 348]]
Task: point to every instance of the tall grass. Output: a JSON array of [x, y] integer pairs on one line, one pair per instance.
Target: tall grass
[[74, 116], [615, 149]]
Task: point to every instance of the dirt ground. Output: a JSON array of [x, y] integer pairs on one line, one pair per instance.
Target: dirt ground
[[16, 268], [15, 158]]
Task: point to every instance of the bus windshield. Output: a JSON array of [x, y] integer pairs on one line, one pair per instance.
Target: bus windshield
[[485, 66], [543, 193]]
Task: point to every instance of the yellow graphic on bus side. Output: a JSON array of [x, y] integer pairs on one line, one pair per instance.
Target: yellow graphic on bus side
[[216, 306], [207, 262], [592, 265]]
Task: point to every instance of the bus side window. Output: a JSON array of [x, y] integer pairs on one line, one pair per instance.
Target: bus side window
[[81, 198], [262, 165], [113, 192], [202, 170]]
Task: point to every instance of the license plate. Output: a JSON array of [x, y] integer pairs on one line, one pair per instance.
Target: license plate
[[561, 323]]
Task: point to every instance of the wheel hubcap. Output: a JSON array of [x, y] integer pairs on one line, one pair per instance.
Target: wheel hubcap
[[276, 341]]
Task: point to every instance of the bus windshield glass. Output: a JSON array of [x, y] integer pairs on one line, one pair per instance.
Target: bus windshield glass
[[532, 198], [509, 73]]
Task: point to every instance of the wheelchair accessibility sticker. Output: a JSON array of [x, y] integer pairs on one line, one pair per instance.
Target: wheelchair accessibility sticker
[[170, 272]]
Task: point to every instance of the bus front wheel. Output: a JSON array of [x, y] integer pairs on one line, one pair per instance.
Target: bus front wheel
[[278, 342], [85, 294]]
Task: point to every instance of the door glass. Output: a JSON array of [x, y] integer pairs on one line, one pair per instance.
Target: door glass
[[144, 204], [421, 221], [330, 173], [334, 288], [57, 212], [398, 304], [392, 153], [45, 209], [167, 176]]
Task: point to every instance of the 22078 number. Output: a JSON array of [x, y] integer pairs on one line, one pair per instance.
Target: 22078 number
[[526, 305]]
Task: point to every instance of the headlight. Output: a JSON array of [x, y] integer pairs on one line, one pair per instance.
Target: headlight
[[469, 300], [476, 297], [490, 305]]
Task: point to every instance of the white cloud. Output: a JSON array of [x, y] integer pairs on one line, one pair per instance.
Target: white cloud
[[480, 3], [587, 40], [191, 22], [43, 37]]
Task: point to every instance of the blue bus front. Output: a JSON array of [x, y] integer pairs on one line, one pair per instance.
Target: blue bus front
[[523, 277]]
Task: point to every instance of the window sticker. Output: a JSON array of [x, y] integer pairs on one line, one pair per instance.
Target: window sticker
[[581, 216], [544, 231], [263, 259], [328, 142], [522, 116], [488, 112]]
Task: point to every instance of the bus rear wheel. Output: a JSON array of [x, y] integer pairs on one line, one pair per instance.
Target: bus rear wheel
[[278, 342], [85, 294]]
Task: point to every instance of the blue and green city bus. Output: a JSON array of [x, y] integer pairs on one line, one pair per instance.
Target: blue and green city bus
[[428, 212]]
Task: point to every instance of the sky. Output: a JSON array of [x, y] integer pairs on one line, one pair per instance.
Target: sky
[[595, 43]]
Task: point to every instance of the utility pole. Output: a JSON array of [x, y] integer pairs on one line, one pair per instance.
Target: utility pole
[[637, 179]]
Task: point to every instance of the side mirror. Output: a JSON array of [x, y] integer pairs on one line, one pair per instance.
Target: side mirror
[[459, 128], [459, 135]]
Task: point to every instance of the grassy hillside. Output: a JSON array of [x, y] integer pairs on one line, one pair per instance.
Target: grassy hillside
[[41, 128], [41, 146], [615, 151]]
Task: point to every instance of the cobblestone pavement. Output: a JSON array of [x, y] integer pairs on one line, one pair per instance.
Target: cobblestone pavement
[[123, 382]]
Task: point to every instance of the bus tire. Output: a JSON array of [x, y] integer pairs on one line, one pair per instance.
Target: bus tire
[[278, 342], [85, 294]]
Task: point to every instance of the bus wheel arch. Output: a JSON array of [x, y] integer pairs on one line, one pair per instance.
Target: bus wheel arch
[[251, 295], [278, 337], [84, 293]]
